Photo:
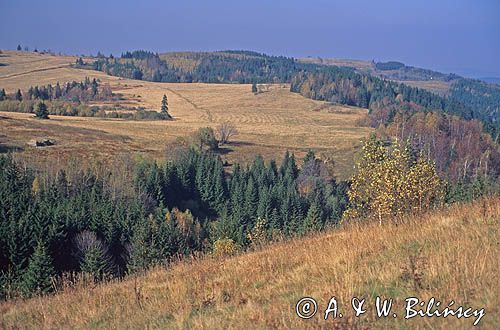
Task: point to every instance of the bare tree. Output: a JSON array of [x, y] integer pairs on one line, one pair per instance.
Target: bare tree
[[226, 131], [94, 255]]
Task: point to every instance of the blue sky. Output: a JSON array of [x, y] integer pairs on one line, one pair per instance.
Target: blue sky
[[461, 36]]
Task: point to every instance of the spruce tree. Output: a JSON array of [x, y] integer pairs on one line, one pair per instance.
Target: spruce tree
[[139, 250], [57, 91], [95, 263], [309, 156], [41, 111], [164, 108], [251, 199], [38, 276], [19, 95], [3, 95], [313, 221], [94, 87], [95, 259]]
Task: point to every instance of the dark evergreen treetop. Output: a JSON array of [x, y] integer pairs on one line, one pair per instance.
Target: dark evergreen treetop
[[164, 107], [41, 111]]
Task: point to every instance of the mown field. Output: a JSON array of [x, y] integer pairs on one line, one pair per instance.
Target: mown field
[[451, 254], [269, 123]]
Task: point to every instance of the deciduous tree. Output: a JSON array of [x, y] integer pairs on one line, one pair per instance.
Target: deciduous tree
[[389, 181], [226, 131]]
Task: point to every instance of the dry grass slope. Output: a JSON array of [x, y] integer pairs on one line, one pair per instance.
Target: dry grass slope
[[269, 123], [452, 254]]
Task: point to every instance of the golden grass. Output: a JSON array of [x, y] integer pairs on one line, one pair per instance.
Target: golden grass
[[358, 64], [436, 86], [269, 123], [455, 250]]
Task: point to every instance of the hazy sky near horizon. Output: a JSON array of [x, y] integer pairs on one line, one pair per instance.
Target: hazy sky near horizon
[[461, 36]]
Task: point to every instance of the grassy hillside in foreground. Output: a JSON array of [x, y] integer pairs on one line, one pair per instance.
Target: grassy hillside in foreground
[[450, 254]]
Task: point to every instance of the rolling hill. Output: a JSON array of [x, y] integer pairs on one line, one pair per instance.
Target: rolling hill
[[269, 123], [450, 254], [253, 67]]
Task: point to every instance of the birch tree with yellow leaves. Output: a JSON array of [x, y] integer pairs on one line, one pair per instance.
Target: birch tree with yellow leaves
[[389, 181]]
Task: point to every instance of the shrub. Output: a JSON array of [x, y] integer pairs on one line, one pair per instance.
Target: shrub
[[224, 247]]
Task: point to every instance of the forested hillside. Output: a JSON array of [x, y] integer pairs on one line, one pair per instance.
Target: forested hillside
[[434, 254], [484, 98], [444, 128], [106, 222], [216, 67], [109, 222], [467, 98]]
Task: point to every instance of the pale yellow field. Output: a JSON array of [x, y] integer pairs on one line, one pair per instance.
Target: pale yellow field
[[438, 87], [450, 255], [358, 64], [269, 123]]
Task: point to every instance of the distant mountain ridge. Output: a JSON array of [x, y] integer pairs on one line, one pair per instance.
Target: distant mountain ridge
[[491, 80], [392, 70]]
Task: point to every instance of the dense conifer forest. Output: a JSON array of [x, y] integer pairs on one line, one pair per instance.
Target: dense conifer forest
[[217, 67], [112, 222]]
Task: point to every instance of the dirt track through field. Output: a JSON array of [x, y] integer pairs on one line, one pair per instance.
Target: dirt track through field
[[268, 123], [36, 70], [209, 114]]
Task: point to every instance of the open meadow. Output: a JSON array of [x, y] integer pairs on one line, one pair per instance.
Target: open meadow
[[269, 123]]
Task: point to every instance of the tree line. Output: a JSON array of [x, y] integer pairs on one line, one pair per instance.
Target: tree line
[[484, 98], [444, 128], [71, 99], [217, 67], [87, 90]]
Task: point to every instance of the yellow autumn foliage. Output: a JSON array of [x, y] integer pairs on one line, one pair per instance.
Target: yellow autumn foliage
[[389, 182], [224, 247]]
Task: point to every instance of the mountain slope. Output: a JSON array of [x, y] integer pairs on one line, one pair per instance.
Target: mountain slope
[[252, 67], [450, 254]]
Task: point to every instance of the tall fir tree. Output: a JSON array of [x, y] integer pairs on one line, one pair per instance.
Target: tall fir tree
[[313, 221], [41, 111], [19, 95], [96, 261], [38, 276], [164, 107]]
